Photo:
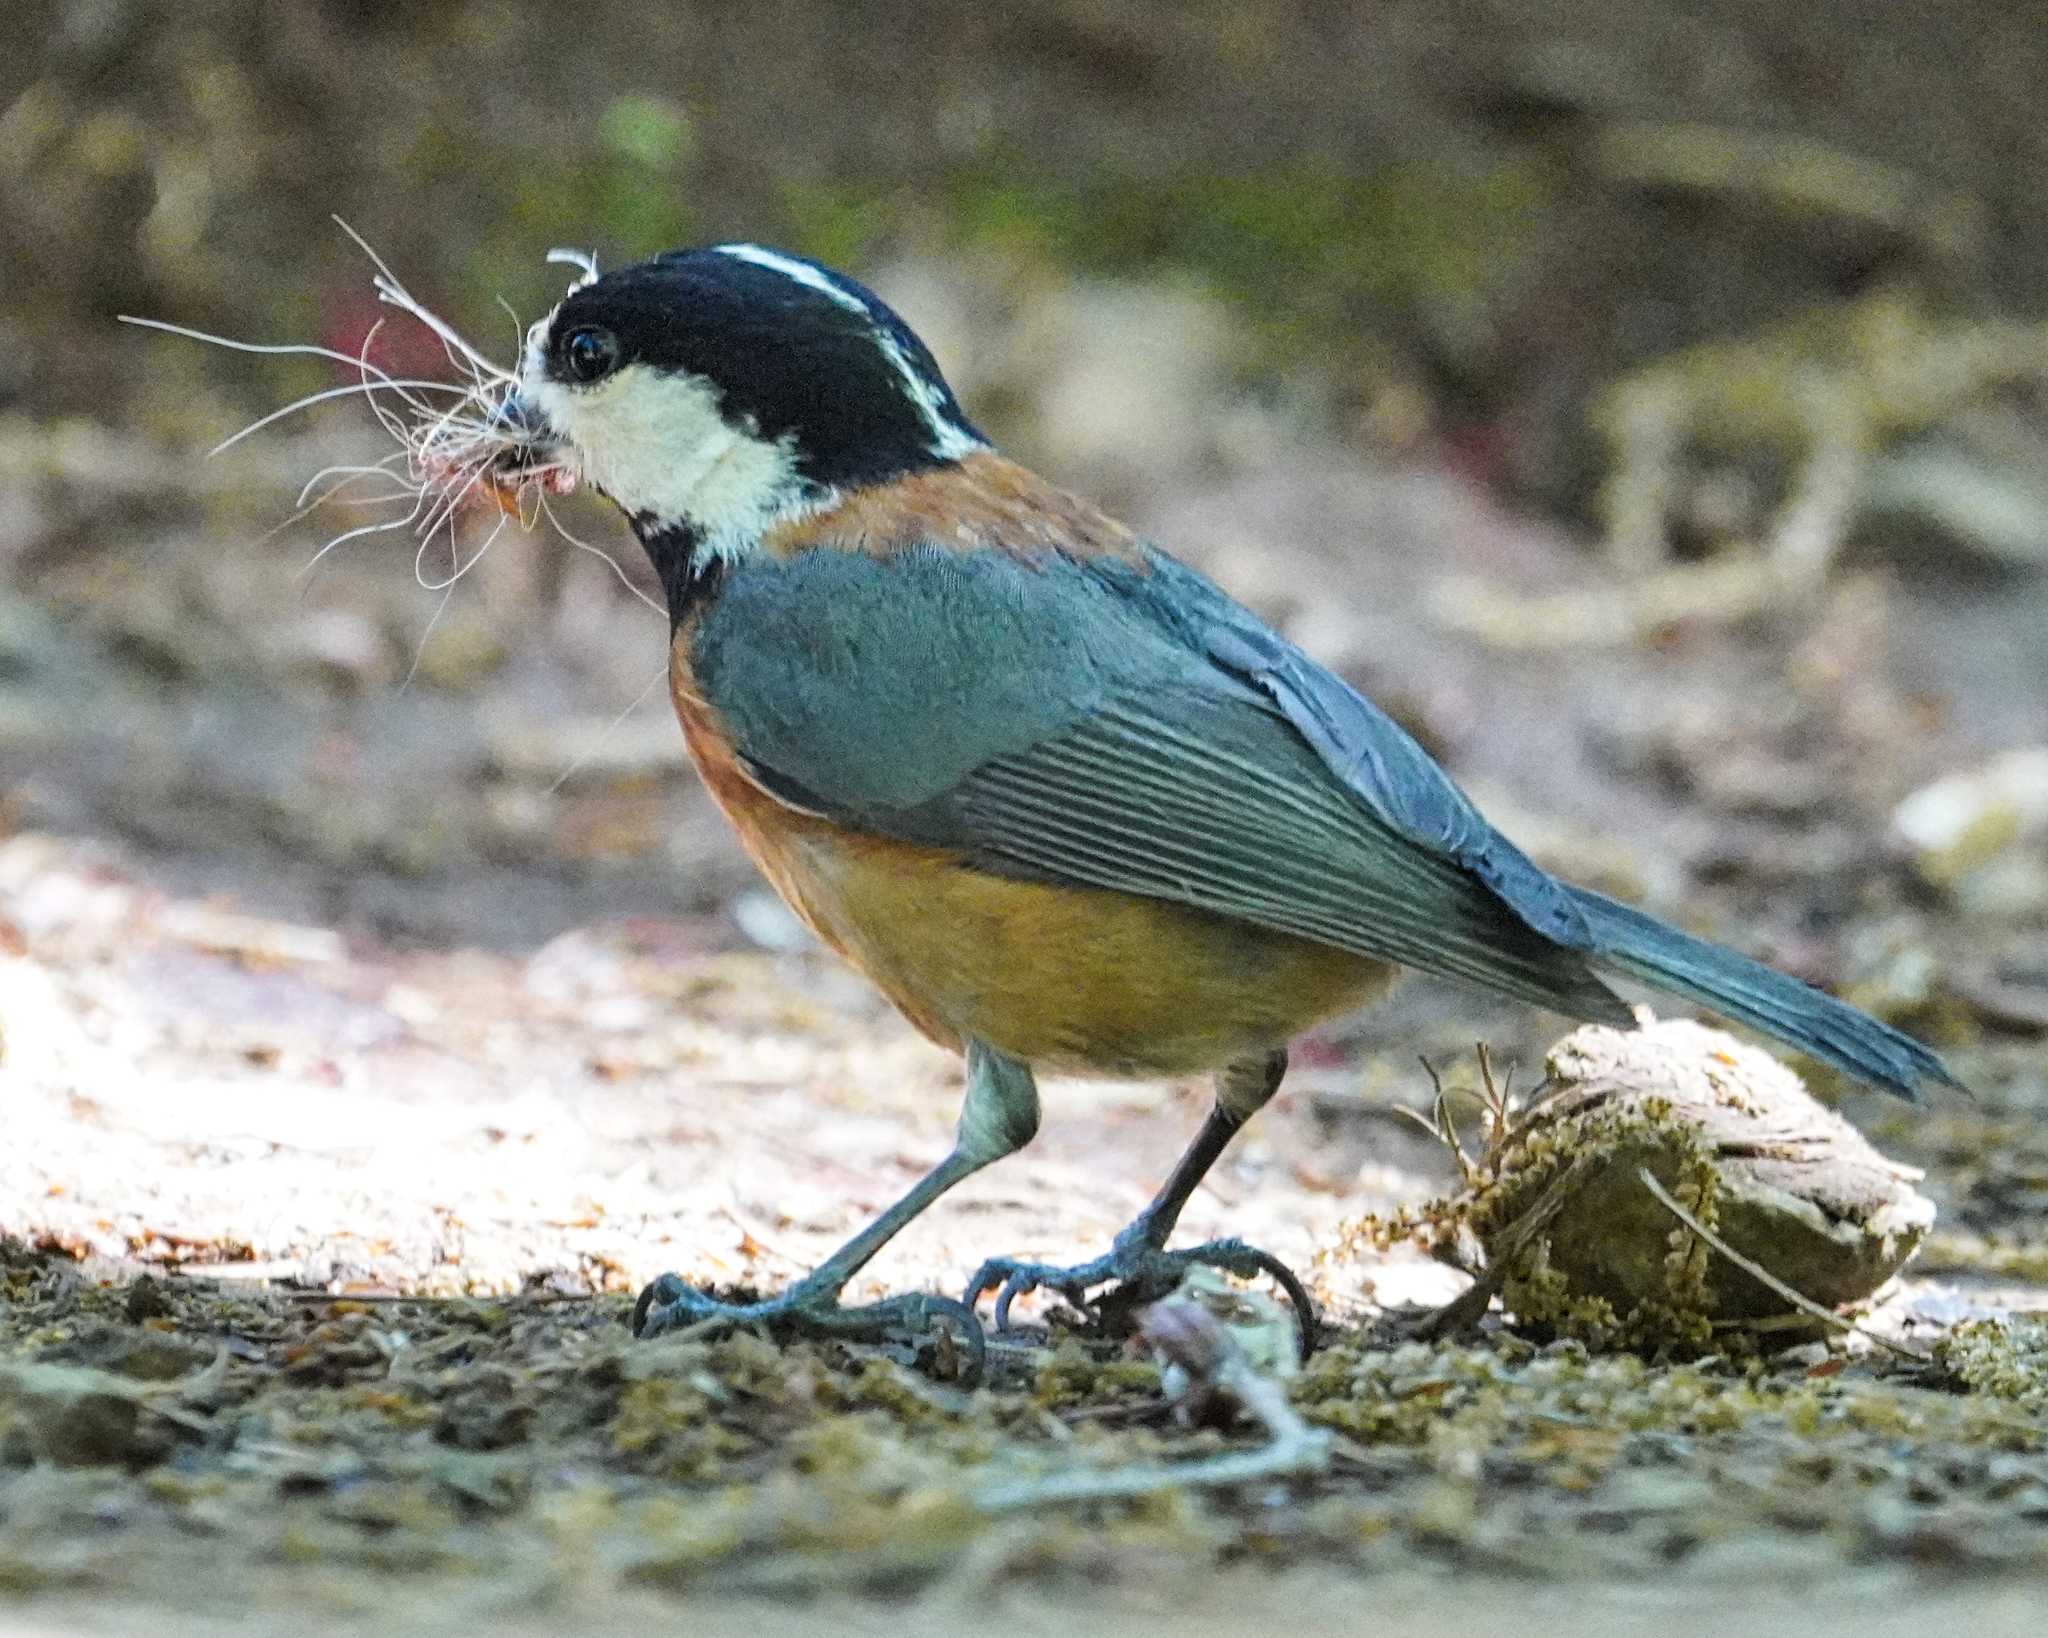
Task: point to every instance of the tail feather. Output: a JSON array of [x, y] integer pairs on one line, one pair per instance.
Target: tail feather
[[1638, 946]]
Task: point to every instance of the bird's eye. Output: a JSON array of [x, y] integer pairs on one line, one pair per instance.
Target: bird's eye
[[591, 354]]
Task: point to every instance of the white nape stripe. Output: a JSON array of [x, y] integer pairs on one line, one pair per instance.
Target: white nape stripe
[[950, 440], [803, 273]]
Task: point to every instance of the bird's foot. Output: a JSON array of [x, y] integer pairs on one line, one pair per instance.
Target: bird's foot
[[668, 1304], [1137, 1273]]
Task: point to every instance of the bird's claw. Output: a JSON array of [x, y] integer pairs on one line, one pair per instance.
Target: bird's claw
[[1141, 1274], [670, 1304]]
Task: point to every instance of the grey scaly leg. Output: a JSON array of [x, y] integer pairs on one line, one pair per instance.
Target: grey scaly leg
[[1138, 1261], [999, 1116]]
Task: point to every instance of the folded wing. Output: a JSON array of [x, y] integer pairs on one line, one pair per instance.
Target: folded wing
[[1127, 727]]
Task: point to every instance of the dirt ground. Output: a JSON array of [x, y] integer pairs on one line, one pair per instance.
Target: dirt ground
[[327, 1204], [237, 1146]]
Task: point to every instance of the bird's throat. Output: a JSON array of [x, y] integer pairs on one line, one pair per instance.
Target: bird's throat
[[689, 571]]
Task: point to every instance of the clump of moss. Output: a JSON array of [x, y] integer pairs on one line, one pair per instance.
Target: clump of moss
[[1072, 1374], [2007, 1358], [1554, 1208]]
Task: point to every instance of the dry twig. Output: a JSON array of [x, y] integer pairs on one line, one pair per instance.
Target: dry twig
[[1186, 1334], [1757, 1271]]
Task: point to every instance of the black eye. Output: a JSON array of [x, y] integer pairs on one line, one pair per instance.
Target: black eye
[[590, 354]]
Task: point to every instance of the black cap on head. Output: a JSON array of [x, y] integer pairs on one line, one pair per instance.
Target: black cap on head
[[797, 354]]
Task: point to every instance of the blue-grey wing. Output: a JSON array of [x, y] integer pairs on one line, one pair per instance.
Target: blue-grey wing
[[1127, 727], [1370, 754]]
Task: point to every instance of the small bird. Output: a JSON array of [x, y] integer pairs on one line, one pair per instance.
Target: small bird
[[1064, 801]]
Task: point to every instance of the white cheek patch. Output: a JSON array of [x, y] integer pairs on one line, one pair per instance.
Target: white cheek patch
[[657, 445]]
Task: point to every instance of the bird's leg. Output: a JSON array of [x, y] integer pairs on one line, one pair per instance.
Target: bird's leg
[[999, 1116], [1138, 1262]]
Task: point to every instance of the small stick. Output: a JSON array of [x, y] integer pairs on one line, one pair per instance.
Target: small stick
[[1194, 1339], [1757, 1271], [1304, 1450]]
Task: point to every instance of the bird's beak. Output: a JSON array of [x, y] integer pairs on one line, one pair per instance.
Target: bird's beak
[[521, 421], [530, 450]]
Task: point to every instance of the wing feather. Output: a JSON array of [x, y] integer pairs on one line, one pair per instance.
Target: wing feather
[[1125, 726], [1130, 800]]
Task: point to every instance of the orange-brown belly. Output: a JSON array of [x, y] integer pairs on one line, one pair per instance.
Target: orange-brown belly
[[1062, 977], [1065, 977]]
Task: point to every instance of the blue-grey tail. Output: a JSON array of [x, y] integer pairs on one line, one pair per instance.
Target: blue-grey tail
[[1645, 949]]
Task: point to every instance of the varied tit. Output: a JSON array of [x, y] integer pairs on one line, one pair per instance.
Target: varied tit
[[1068, 805]]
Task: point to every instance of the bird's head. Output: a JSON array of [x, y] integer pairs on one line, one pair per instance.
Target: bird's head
[[712, 393]]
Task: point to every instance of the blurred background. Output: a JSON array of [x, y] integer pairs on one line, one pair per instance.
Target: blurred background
[[1648, 402]]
